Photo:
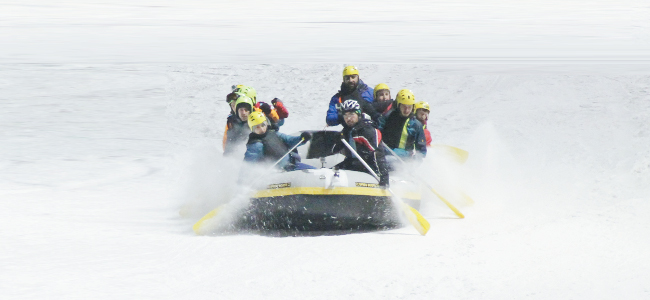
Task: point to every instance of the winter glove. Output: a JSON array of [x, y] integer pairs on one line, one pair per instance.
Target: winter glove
[[266, 108], [275, 101], [306, 135]]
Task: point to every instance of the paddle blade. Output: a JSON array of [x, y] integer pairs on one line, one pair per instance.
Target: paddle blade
[[203, 225], [416, 219], [454, 209], [322, 143], [468, 200], [458, 154]]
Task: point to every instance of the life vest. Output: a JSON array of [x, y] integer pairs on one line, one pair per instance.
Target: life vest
[[396, 131], [393, 131], [274, 146], [236, 132], [404, 137]]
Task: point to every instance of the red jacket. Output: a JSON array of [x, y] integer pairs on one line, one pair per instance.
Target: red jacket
[[282, 111], [427, 135]]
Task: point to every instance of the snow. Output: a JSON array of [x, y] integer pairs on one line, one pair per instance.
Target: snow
[[111, 151]]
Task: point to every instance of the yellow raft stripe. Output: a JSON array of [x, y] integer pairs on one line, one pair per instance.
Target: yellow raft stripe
[[322, 191]]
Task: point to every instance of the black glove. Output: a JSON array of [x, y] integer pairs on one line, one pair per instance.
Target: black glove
[[275, 100], [306, 135], [265, 107]]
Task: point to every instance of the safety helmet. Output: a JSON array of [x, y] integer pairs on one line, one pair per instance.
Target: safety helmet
[[351, 105], [244, 100], [236, 86], [422, 105], [350, 70], [405, 97], [256, 118], [379, 87], [248, 91]]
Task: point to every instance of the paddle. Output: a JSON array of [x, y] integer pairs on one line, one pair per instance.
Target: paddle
[[454, 209], [458, 154], [200, 226], [415, 218]]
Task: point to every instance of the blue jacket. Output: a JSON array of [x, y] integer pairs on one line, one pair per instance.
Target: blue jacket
[[362, 92], [257, 152]]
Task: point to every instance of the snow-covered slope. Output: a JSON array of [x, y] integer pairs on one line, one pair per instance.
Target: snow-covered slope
[[98, 160]]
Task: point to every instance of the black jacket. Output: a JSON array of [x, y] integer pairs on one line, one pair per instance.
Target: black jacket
[[366, 141], [237, 132]]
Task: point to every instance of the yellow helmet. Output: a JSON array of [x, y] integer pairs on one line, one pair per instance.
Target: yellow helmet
[[379, 87], [245, 100], [256, 118], [350, 70], [248, 91], [422, 105], [405, 97]]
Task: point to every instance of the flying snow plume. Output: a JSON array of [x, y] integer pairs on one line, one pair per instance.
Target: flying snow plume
[[207, 181], [489, 178], [217, 186], [492, 171]]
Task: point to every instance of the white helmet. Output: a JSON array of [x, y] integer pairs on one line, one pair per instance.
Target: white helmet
[[351, 105]]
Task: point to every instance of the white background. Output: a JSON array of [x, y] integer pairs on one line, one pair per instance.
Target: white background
[[111, 118]]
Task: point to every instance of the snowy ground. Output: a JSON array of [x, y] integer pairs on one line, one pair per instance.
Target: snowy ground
[[100, 162], [96, 162]]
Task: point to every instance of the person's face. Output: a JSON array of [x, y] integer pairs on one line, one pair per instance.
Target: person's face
[[260, 128], [383, 95], [243, 113], [232, 105], [351, 118], [351, 81], [405, 109], [422, 115]]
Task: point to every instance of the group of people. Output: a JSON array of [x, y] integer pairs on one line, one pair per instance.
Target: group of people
[[372, 123]]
